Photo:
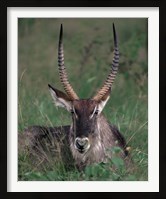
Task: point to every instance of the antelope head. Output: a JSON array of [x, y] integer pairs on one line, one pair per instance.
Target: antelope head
[[85, 112]]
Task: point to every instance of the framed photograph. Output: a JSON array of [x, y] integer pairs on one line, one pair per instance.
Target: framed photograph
[[84, 114]]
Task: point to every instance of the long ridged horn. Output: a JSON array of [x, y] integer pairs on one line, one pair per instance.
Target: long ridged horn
[[114, 69], [62, 70]]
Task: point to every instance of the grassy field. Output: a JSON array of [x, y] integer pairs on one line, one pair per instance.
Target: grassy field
[[88, 45]]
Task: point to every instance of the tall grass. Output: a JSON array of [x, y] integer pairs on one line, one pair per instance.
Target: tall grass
[[88, 45]]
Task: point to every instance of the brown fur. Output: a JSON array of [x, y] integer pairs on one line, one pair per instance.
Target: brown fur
[[105, 137]]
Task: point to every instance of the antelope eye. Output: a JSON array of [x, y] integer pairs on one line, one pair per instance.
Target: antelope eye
[[96, 112], [72, 112]]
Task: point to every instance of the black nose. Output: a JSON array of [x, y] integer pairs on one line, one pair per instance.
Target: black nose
[[79, 146], [81, 143]]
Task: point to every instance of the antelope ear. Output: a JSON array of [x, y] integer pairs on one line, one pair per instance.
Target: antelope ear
[[103, 101], [60, 98]]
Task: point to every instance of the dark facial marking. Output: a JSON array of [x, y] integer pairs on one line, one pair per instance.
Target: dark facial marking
[[83, 123]]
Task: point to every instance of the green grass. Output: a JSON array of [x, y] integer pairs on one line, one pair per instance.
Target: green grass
[[88, 45]]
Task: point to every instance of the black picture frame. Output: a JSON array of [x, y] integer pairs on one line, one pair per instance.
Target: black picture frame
[[4, 4]]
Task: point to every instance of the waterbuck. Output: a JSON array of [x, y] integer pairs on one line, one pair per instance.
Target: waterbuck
[[90, 137]]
